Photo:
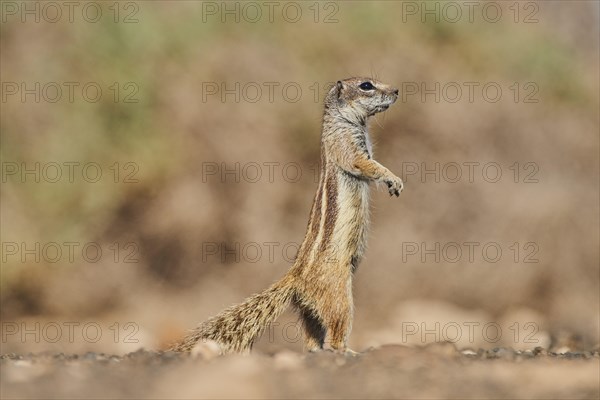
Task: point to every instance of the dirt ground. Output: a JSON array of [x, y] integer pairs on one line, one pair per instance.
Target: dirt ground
[[391, 371]]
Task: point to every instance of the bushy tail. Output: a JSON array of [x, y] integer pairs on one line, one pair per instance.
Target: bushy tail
[[237, 327]]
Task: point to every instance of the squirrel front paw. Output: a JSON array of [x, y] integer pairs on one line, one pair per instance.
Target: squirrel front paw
[[394, 184]]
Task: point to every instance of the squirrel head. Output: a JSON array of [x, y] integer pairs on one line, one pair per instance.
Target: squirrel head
[[356, 99]]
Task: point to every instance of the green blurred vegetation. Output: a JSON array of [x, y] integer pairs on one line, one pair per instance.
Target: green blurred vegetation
[[171, 131]]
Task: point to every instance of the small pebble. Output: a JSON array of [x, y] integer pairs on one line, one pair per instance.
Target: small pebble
[[207, 350], [540, 351]]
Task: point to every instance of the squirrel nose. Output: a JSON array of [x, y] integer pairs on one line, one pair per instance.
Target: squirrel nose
[[396, 92]]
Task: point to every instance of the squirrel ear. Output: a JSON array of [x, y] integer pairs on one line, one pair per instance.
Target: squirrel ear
[[339, 87]]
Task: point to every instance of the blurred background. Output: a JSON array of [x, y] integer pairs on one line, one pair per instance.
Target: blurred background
[[159, 158]]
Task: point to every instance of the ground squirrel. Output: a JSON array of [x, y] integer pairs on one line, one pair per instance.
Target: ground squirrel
[[319, 284]]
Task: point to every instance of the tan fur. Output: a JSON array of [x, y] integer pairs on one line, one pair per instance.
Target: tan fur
[[319, 284]]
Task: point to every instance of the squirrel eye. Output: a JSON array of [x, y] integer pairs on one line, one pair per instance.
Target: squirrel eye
[[367, 86]]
